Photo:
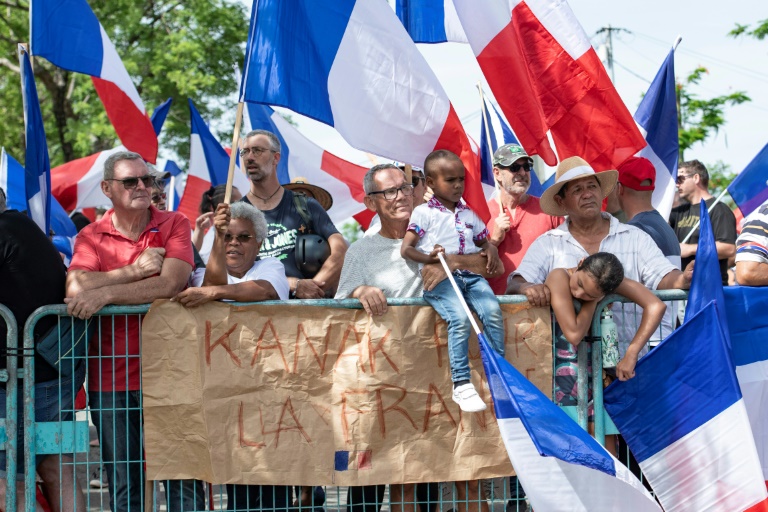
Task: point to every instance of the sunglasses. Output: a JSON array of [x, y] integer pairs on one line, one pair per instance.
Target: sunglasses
[[416, 180], [131, 183], [243, 239], [681, 178], [156, 198], [516, 167]]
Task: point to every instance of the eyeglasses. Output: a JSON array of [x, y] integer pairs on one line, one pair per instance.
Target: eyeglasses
[[257, 151], [243, 239], [391, 193], [131, 183], [416, 180], [681, 178], [156, 198], [516, 167]]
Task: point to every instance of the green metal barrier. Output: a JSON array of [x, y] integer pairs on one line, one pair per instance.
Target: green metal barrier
[[8, 428]]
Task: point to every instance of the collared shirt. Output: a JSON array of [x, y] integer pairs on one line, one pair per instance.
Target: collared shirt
[[641, 258], [456, 231], [100, 247]]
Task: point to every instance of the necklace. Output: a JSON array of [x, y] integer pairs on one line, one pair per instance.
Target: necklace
[[265, 199]]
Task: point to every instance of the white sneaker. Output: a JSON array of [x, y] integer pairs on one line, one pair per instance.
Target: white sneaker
[[468, 399]]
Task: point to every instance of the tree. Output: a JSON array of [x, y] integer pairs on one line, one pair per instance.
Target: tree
[[699, 118], [171, 48], [760, 32]]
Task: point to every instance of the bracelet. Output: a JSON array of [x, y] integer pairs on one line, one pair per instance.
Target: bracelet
[[292, 293]]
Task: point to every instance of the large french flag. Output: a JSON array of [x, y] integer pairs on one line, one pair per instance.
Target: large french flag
[[351, 64], [657, 119], [68, 34], [547, 78], [560, 465], [37, 167], [300, 157], [684, 418], [77, 184], [750, 188], [430, 21], [208, 166]]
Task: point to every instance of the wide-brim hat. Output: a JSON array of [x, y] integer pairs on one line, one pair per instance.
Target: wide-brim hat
[[320, 195], [570, 169]]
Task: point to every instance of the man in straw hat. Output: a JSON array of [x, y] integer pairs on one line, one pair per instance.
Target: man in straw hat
[[578, 192], [260, 153]]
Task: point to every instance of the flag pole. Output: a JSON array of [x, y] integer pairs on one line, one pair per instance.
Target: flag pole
[[488, 141], [709, 210], [459, 295], [676, 43], [171, 195], [233, 153]]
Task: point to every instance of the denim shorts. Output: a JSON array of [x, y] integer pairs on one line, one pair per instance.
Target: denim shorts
[[47, 408]]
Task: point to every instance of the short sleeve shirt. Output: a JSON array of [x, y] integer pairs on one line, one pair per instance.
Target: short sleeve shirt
[[752, 244], [456, 231], [284, 224], [100, 247], [266, 269]]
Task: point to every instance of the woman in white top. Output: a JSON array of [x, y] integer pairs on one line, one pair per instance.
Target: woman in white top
[[234, 270]]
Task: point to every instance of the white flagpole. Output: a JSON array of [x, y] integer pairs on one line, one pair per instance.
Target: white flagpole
[[690, 233]]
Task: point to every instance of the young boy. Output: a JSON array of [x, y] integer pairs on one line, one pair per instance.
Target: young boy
[[445, 224]]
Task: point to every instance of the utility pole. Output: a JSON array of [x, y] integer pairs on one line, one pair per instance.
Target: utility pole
[[609, 30]]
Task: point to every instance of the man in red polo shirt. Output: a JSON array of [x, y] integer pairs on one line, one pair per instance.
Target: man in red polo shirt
[[134, 255]]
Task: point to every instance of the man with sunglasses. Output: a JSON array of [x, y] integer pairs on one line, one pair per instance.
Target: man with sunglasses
[[692, 182], [134, 255], [521, 221]]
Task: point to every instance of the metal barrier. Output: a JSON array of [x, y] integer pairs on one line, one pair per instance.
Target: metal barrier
[[9, 376], [72, 437]]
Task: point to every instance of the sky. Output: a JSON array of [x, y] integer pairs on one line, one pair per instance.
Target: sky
[[649, 28]]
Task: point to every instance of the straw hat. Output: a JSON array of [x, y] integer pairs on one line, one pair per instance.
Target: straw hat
[[571, 169], [302, 186]]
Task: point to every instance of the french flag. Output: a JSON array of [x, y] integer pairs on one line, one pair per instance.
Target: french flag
[[37, 182], [560, 466], [300, 157], [351, 64], [208, 166], [175, 188], [657, 119], [430, 21], [548, 79], [684, 418], [68, 34], [77, 184], [750, 188]]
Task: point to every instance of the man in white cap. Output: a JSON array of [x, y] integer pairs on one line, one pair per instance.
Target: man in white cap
[[578, 192]]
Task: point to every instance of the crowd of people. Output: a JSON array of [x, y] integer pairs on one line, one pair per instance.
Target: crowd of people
[[277, 242]]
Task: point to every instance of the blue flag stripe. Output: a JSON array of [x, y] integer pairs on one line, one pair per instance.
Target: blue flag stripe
[[747, 323], [261, 119], [216, 158], [424, 20], [159, 115], [679, 386], [486, 153], [750, 188]]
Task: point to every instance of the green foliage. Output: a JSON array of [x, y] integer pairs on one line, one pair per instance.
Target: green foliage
[[179, 49], [760, 31], [351, 231], [699, 118], [720, 176]]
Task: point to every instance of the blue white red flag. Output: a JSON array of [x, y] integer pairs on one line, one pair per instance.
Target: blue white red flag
[[208, 166], [159, 115], [12, 182], [560, 466], [68, 34], [750, 188], [430, 21], [77, 184], [300, 157], [351, 64], [684, 418], [657, 119], [486, 152], [37, 167], [547, 79], [176, 185]]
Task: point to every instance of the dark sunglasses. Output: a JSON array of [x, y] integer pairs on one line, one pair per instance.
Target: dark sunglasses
[[156, 198], [243, 239], [131, 183], [681, 178], [516, 167], [416, 180]]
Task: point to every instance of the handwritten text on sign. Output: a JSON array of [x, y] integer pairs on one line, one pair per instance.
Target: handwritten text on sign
[[310, 395]]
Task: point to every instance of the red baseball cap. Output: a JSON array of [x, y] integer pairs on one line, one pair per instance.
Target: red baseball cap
[[635, 171]]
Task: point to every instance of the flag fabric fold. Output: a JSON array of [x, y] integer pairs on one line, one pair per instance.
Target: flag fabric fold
[[547, 79], [37, 167], [300, 157], [750, 188], [486, 152], [560, 465], [12, 181], [430, 21], [159, 115], [350, 64], [656, 117], [685, 421], [68, 34]]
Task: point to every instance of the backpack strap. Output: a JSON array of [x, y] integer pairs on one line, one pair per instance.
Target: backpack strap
[[300, 202]]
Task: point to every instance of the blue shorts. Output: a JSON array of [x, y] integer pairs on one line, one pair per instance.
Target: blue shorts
[[54, 401]]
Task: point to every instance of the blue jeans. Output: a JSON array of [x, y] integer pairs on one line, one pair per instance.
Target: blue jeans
[[117, 417], [480, 298], [54, 401]]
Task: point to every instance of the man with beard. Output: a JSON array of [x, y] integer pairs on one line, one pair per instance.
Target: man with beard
[[260, 153]]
